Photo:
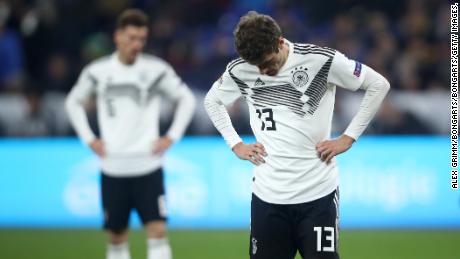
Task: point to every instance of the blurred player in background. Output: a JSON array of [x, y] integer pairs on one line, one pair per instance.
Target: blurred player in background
[[290, 90], [129, 86]]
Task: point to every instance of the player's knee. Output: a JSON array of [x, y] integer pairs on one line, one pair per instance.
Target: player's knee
[[118, 236], [119, 231], [156, 229]]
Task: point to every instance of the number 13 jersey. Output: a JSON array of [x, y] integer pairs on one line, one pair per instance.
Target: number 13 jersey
[[291, 113]]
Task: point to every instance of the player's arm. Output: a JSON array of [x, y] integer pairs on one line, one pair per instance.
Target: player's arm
[[353, 75], [172, 87], [223, 93], [75, 107]]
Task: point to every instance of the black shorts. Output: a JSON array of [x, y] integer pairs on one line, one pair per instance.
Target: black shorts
[[120, 195], [279, 231]]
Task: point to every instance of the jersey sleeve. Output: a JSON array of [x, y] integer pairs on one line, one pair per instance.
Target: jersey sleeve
[[226, 90], [75, 101], [169, 83], [376, 87], [85, 85], [346, 73]]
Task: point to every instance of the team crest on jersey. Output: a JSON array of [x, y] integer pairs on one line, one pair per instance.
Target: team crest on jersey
[[299, 76]]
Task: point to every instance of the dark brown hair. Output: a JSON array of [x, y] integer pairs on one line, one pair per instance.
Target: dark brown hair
[[256, 35], [134, 17]]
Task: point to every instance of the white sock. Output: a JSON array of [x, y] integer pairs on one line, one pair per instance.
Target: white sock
[[120, 251], [158, 248]]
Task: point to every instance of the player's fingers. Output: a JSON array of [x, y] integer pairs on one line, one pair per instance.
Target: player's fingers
[[99, 149], [319, 145], [159, 149], [253, 160], [259, 145], [329, 157], [325, 154], [156, 148], [259, 150], [322, 148], [248, 155], [263, 152], [258, 158], [98, 152], [323, 143], [319, 149], [255, 155]]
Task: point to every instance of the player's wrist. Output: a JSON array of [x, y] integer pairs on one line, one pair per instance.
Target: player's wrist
[[237, 145], [169, 138], [347, 139], [93, 141]]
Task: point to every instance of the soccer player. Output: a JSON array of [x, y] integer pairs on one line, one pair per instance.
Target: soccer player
[[129, 86], [290, 90]]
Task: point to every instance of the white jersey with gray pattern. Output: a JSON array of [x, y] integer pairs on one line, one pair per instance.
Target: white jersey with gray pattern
[[128, 105]]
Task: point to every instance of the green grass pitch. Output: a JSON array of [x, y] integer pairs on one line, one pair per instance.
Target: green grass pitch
[[194, 244]]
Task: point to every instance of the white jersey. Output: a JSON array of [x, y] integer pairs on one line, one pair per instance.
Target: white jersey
[[291, 113], [128, 104]]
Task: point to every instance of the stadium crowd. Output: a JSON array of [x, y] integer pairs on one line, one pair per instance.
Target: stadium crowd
[[45, 43]]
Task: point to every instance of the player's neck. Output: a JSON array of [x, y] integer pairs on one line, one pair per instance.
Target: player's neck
[[125, 60]]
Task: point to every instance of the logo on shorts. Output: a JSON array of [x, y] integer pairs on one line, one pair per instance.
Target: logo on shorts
[[254, 246], [299, 76]]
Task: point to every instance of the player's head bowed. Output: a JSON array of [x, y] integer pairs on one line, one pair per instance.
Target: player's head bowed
[[256, 36]]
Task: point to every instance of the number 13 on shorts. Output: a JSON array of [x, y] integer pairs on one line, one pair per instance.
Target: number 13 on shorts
[[329, 237]]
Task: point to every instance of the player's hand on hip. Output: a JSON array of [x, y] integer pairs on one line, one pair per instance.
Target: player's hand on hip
[[252, 152], [161, 145], [97, 146], [330, 148]]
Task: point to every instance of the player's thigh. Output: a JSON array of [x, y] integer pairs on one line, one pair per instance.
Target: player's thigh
[[149, 197], [272, 231], [317, 233], [116, 202]]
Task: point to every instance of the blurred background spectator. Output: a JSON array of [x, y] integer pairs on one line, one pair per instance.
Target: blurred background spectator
[[45, 43]]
